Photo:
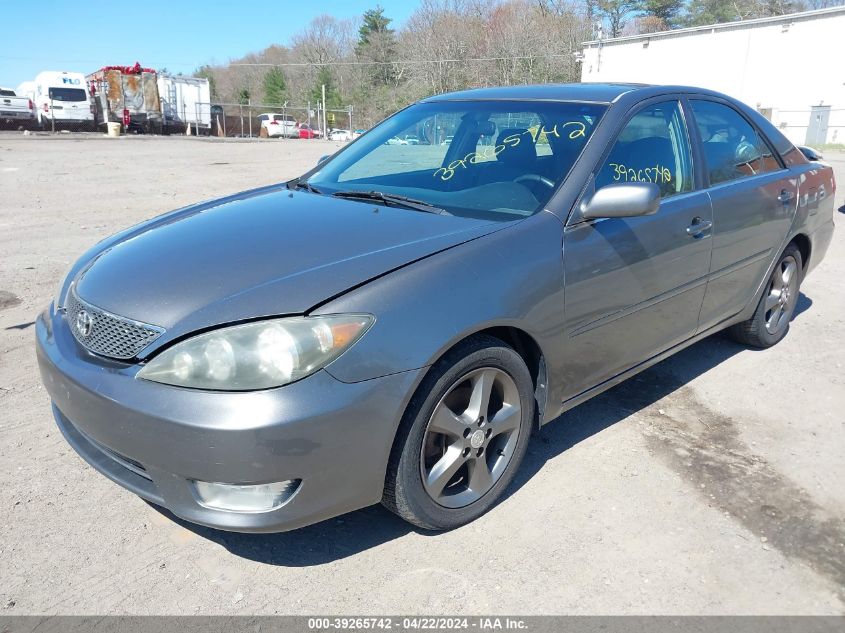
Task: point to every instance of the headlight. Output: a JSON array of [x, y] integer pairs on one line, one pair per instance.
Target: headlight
[[257, 355], [57, 298]]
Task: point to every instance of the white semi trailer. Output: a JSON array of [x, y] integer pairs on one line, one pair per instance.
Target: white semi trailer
[[185, 101]]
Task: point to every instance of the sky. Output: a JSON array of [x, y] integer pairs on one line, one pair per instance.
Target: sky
[[85, 35]]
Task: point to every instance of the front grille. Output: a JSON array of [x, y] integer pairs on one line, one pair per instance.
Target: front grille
[[105, 333]]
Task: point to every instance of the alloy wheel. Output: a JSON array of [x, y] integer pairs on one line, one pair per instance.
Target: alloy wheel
[[782, 296], [470, 437]]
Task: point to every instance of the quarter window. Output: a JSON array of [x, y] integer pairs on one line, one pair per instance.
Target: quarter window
[[732, 147], [653, 147]]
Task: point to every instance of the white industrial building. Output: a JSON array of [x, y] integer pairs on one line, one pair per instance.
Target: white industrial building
[[791, 68]]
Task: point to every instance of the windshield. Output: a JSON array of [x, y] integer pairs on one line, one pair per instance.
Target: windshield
[[67, 94], [489, 159]]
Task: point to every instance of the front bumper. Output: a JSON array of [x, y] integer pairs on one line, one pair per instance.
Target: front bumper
[[155, 439]]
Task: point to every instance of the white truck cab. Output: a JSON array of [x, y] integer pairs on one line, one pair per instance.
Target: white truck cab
[[62, 97]]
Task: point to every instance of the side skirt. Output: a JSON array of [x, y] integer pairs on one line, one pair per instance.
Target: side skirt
[[574, 401]]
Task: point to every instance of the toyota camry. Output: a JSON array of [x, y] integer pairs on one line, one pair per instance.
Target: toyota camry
[[392, 325]]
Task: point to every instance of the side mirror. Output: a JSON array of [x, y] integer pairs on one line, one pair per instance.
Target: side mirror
[[810, 153], [323, 159], [622, 200]]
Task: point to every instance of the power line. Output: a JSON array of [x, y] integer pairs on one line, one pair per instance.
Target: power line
[[400, 62]]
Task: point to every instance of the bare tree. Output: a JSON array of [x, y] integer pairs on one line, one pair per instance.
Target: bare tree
[[444, 45], [616, 12]]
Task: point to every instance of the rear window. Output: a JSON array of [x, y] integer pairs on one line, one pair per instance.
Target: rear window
[[7, 93], [67, 94]]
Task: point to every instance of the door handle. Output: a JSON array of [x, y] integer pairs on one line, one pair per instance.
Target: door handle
[[698, 227], [785, 196]]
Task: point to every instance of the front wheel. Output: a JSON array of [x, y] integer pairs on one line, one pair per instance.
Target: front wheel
[[463, 436], [770, 321]]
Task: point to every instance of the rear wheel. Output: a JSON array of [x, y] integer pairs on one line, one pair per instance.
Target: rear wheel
[[770, 321], [463, 436]]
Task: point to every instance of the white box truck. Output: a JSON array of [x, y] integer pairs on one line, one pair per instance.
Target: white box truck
[[185, 101], [61, 99]]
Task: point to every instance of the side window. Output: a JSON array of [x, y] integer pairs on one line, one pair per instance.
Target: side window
[[262, 117], [653, 147], [732, 147]]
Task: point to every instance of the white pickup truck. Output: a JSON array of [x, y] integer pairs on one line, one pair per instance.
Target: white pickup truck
[[15, 109]]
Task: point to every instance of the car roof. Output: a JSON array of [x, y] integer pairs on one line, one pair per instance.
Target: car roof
[[584, 92]]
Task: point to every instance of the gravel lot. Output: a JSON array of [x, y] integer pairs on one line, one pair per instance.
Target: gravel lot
[[713, 483]]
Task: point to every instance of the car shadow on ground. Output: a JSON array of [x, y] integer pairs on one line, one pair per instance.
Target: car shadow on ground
[[358, 531]]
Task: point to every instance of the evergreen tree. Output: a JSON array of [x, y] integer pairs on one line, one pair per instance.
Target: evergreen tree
[[377, 44], [324, 78], [375, 22], [275, 88], [666, 10]]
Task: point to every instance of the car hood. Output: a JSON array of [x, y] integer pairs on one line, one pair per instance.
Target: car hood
[[260, 254]]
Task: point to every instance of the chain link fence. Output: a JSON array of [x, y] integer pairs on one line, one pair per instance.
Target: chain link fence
[[233, 120], [250, 120]]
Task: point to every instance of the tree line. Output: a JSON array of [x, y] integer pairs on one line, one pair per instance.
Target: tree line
[[454, 44]]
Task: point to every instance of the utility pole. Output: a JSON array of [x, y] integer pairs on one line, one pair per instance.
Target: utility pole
[[325, 129]]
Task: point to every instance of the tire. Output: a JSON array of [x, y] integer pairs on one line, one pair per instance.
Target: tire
[[770, 321], [483, 444]]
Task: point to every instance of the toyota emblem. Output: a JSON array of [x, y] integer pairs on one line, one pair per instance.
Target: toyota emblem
[[84, 323]]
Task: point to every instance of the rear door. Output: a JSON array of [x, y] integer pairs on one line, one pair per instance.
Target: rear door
[[634, 286], [754, 199]]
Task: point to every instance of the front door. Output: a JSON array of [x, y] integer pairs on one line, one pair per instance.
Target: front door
[[634, 286]]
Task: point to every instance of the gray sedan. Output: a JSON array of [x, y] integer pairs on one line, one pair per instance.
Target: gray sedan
[[393, 325]]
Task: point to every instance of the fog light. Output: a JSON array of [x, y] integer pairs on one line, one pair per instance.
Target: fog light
[[245, 498]]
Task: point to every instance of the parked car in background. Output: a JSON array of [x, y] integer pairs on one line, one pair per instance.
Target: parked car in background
[[412, 139], [14, 108], [278, 125], [308, 131], [358, 133], [284, 355], [340, 135], [61, 98], [395, 140], [447, 140]]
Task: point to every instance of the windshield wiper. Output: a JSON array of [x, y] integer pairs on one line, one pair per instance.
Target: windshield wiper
[[298, 183], [392, 199]]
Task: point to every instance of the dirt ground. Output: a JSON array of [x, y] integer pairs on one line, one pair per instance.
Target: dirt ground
[[711, 484]]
